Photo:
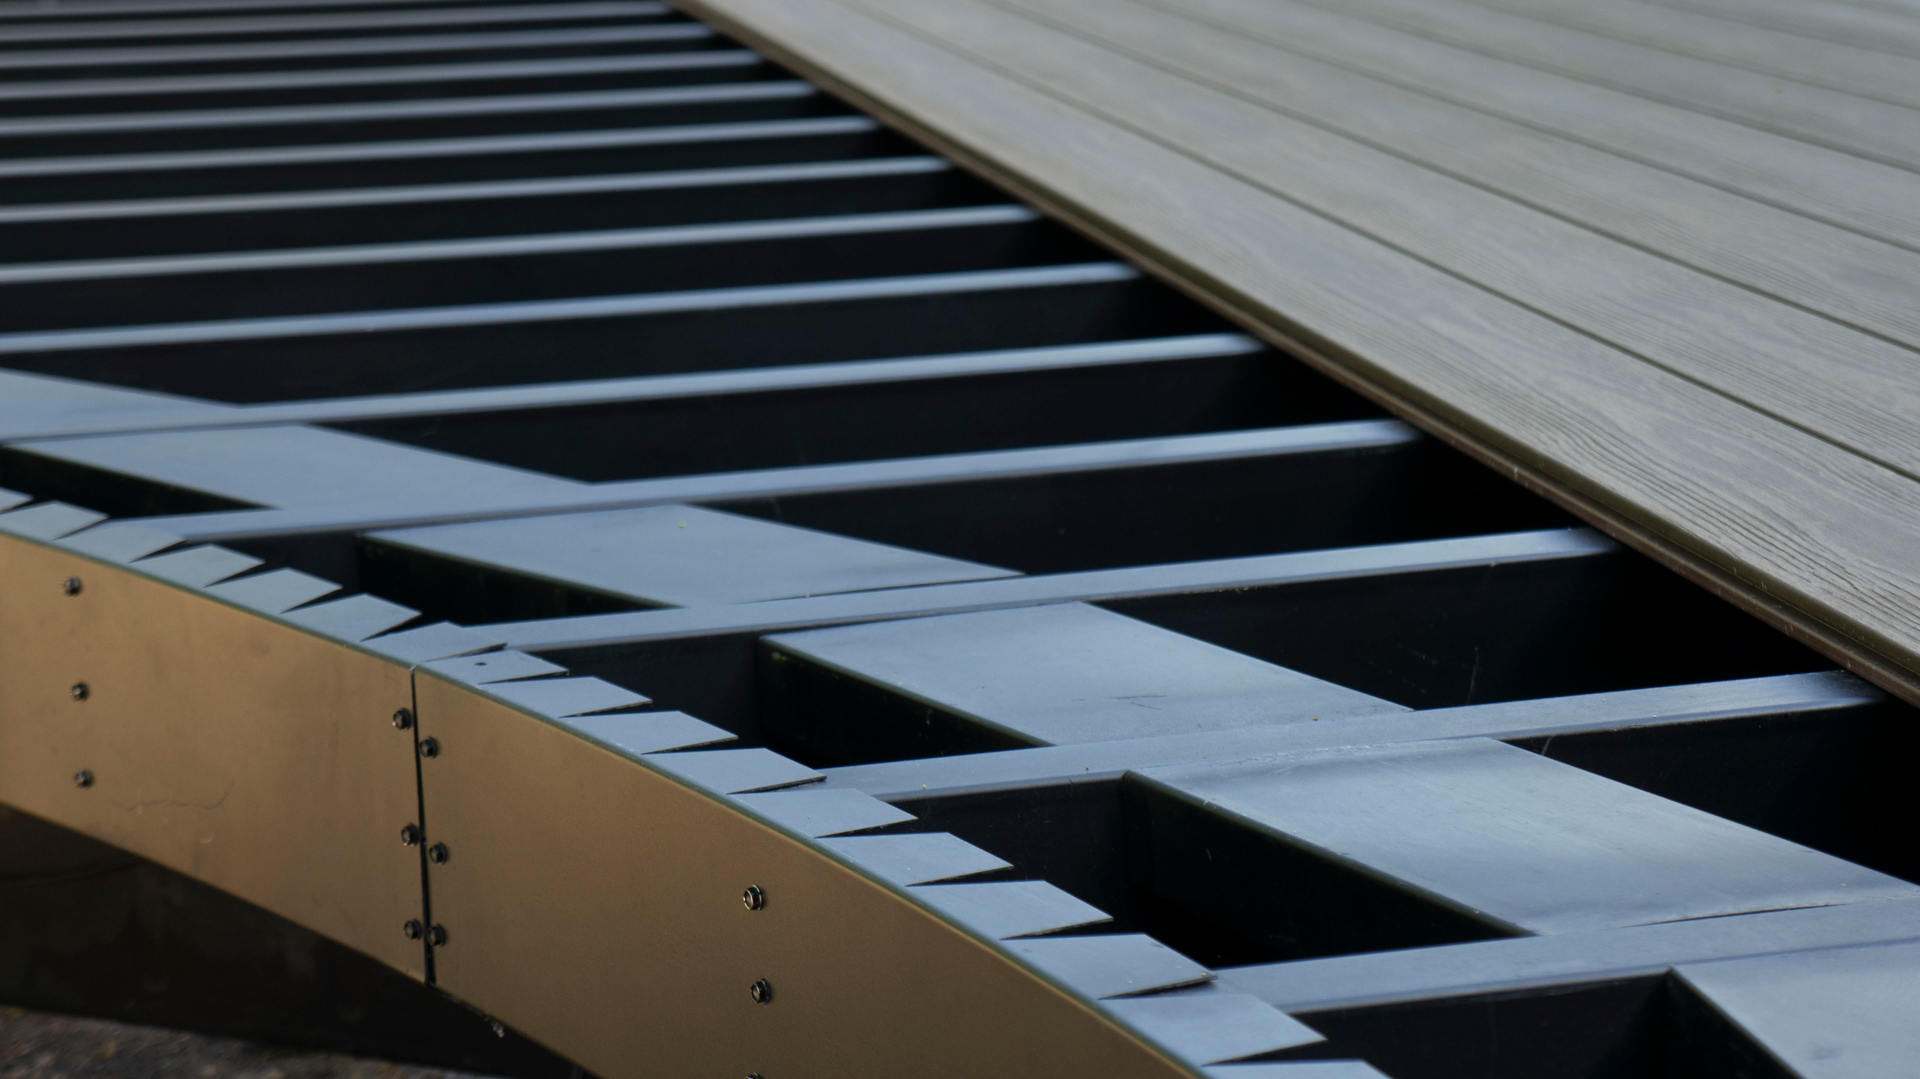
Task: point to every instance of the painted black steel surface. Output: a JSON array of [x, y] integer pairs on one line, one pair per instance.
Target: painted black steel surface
[[580, 324]]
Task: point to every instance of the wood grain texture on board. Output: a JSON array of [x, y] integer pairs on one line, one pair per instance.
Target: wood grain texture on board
[[1839, 188], [1710, 421]]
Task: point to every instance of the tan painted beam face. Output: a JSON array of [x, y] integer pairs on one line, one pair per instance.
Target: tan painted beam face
[[587, 892], [597, 901], [228, 746]]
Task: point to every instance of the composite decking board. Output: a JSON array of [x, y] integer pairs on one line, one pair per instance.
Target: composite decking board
[[1777, 359], [1846, 122], [1833, 271], [1824, 184], [1849, 69], [1890, 26], [1795, 528]]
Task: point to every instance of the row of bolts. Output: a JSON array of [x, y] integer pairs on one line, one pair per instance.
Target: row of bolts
[[761, 991]]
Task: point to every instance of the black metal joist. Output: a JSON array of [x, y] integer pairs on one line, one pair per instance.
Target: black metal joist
[[629, 397]]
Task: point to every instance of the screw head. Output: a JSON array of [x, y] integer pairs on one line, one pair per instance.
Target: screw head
[[79, 692], [437, 854], [70, 586], [413, 929], [83, 779], [761, 991], [429, 747], [753, 898], [403, 719], [499, 1030], [437, 936], [410, 835]]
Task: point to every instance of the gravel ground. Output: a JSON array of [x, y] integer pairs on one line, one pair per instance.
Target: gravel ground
[[36, 1045]]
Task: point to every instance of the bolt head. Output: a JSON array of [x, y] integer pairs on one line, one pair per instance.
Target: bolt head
[[71, 586], [403, 719], [753, 898], [437, 854], [410, 835], [413, 930], [761, 991], [79, 692], [83, 779], [437, 936], [429, 747]]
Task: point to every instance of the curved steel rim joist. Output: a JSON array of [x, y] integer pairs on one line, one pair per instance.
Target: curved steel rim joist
[[586, 890]]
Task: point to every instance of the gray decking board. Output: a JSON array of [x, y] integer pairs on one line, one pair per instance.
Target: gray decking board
[[1847, 68], [1774, 358], [1891, 28], [1820, 183], [1842, 275], [1840, 121], [1797, 517]]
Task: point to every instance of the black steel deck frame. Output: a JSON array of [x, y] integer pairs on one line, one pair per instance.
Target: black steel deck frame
[[806, 614]]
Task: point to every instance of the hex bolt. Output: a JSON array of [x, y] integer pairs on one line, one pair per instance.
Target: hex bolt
[[410, 835], [83, 779], [429, 747], [761, 992], [437, 936], [70, 586], [437, 854], [412, 930], [79, 691], [403, 719], [753, 898]]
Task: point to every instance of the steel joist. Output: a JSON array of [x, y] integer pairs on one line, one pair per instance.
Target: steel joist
[[549, 501]]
